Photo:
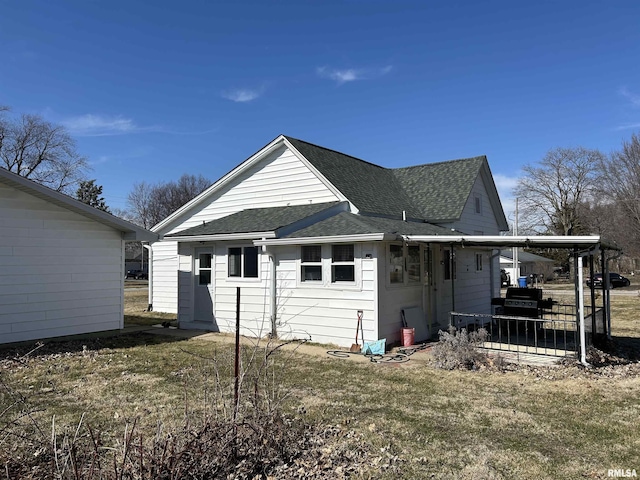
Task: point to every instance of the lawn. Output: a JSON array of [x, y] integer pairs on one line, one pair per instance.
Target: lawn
[[407, 420]]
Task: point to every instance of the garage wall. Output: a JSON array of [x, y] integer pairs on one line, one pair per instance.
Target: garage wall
[[60, 272]]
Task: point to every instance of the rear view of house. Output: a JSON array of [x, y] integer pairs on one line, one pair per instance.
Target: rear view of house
[[314, 238], [61, 263]]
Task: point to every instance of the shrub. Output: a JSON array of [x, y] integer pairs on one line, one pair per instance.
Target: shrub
[[458, 349]]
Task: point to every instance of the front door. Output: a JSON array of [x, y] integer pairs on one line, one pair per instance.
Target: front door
[[203, 285]]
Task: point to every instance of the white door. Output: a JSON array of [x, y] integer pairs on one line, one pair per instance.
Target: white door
[[203, 285]]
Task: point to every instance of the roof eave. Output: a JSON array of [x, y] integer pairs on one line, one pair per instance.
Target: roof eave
[[222, 236], [369, 237]]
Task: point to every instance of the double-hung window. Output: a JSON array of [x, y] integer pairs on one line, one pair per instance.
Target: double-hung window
[[311, 263], [243, 262], [343, 263]]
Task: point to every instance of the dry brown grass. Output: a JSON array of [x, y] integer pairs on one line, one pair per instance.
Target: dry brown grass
[[416, 421]]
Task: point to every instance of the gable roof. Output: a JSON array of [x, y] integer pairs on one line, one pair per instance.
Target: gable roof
[[371, 188], [131, 232], [440, 190], [435, 192]]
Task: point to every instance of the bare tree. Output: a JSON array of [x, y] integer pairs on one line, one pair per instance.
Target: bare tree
[[41, 151], [552, 194], [619, 187], [150, 204]]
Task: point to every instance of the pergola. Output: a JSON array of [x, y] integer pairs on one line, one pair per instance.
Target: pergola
[[580, 246]]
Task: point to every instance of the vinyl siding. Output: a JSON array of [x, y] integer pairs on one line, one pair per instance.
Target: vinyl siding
[[61, 273], [280, 179], [165, 276], [324, 313], [471, 222]]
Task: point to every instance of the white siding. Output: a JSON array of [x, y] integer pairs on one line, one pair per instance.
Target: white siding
[[278, 180], [324, 313], [165, 276], [471, 222], [61, 273]]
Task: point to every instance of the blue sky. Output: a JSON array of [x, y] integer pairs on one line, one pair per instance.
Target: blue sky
[[152, 90]]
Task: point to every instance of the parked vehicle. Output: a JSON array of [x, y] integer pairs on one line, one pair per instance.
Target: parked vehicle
[[136, 275], [615, 280]]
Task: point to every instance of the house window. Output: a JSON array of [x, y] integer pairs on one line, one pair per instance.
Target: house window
[[478, 262], [396, 264], [449, 265], [342, 263], [243, 262], [413, 263], [478, 204], [311, 263], [204, 269]]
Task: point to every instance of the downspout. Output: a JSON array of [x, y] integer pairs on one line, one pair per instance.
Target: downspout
[[150, 275], [273, 306], [492, 257], [453, 276]]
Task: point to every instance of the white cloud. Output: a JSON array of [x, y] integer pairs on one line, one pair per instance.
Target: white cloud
[[241, 95], [632, 97], [352, 74], [91, 125], [631, 126]]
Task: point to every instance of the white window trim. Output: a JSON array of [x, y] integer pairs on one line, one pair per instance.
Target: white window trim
[[477, 204], [302, 264], [326, 282], [242, 278], [479, 255], [405, 265]]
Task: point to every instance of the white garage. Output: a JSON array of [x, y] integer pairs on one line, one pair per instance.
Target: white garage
[[61, 263]]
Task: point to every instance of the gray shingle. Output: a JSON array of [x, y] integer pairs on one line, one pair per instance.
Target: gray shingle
[[434, 192], [256, 220], [440, 190], [345, 223], [369, 187]]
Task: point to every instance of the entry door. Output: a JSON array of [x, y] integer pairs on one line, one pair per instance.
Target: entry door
[[203, 285]]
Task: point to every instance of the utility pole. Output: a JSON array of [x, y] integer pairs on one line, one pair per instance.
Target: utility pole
[[516, 268]]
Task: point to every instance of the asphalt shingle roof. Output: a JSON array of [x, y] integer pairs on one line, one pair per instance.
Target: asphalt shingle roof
[[440, 190], [256, 220], [369, 187], [434, 191], [345, 223]]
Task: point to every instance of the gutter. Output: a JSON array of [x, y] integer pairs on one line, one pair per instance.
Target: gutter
[[369, 237]]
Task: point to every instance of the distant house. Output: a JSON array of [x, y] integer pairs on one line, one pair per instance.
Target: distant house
[[313, 236], [528, 263], [61, 263]]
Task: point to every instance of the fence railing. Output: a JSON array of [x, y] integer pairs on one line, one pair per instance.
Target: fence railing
[[555, 333]]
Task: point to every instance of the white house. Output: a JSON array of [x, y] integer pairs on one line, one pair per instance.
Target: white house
[[313, 236], [61, 263], [528, 264]]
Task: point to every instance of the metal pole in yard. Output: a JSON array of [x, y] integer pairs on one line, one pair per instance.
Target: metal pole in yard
[[583, 336], [236, 394]]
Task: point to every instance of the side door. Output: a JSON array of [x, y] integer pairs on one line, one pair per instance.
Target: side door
[[203, 285]]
